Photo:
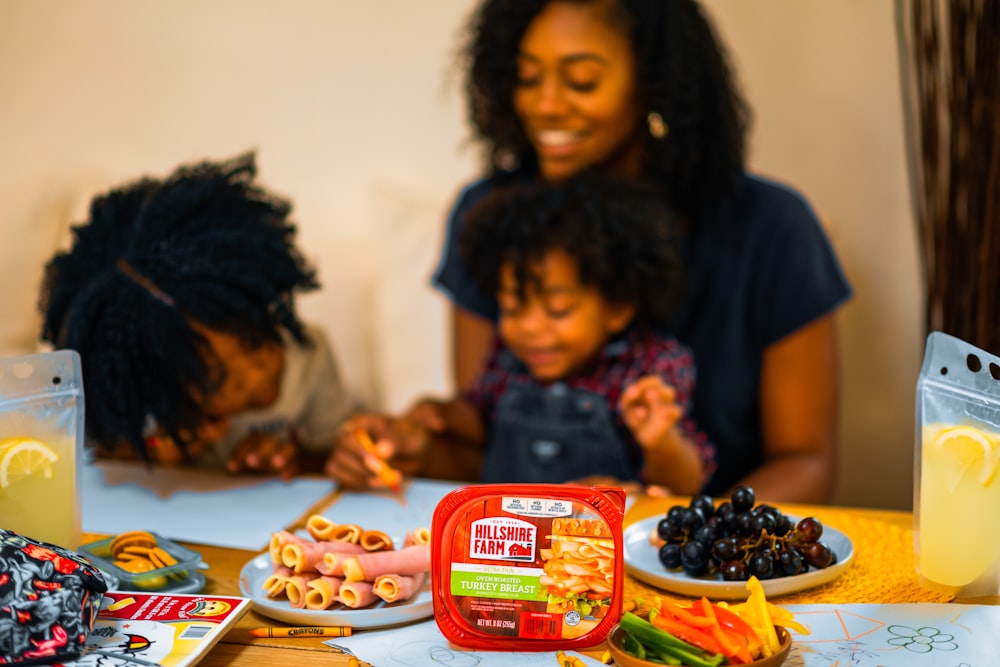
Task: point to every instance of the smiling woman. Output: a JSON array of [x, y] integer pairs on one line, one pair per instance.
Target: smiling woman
[[641, 90]]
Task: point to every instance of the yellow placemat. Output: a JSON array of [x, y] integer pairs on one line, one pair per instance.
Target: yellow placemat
[[883, 569]]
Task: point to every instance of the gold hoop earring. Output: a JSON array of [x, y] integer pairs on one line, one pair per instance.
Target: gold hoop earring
[[658, 127]]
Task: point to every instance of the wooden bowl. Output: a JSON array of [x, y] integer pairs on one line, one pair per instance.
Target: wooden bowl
[[623, 659]]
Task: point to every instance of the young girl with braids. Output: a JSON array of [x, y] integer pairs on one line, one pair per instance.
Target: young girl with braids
[[179, 296]]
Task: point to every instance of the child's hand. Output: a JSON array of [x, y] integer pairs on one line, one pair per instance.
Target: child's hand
[[650, 410], [399, 442], [266, 453]]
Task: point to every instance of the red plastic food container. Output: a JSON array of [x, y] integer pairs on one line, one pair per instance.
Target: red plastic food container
[[528, 567]]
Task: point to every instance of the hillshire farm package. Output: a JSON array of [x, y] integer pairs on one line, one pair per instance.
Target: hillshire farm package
[[528, 566]]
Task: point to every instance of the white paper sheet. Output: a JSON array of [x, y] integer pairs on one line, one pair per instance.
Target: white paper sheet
[[855, 635], [423, 644], [201, 506]]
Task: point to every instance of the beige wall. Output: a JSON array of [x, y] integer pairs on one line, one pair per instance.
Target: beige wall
[[353, 114]]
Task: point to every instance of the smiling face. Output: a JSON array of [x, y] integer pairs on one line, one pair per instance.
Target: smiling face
[[560, 324], [577, 94]]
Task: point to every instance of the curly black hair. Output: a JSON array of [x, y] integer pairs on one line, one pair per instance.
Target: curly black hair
[[205, 245], [620, 234], [683, 74]]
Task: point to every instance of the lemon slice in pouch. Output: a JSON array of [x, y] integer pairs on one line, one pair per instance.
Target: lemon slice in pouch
[[22, 457], [975, 450]]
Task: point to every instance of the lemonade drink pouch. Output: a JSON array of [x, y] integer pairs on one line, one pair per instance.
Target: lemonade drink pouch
[[956, 485], [41, 446]]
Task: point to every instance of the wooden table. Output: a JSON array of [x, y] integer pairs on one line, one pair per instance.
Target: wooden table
[[883, 572]]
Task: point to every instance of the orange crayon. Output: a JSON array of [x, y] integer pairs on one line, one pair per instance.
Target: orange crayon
[[386, 473], [329, 631]]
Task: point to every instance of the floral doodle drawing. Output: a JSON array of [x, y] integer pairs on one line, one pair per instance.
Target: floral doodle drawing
[[921, 640]]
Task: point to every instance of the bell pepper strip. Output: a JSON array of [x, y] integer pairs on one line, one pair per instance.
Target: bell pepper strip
[[762, 623], [736, 629], [733, 646], [683, 614], [695, 636], [783, 617], [667, 645]]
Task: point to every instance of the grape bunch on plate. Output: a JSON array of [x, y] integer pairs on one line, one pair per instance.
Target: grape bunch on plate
[[739, 539]]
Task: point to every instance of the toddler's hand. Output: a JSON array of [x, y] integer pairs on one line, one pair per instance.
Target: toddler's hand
[[650, 410], [266, 453]]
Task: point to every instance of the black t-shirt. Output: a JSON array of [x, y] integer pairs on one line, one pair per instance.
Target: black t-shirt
[[758, 266]]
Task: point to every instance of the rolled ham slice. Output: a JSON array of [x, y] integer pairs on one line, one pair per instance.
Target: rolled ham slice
[[279, 540], [346, 532], [321, 592], [296, 589], [396, 587], [320, 527], [356, 594], [274, 585], [375, 540], [369, 566], [304, 556], [417, 536]]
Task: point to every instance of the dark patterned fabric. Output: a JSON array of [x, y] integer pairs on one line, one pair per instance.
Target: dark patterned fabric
[[49, 599]]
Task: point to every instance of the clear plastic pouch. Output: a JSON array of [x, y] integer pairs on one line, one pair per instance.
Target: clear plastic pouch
[[956, 483], [41, 445]]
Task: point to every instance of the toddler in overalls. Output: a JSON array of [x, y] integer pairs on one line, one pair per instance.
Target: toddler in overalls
[[581, 382]]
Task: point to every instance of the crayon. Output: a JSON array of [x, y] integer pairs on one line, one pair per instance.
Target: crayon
[[386, 473], [329, 631], [353, 662]]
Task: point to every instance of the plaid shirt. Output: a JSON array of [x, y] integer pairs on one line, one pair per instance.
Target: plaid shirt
[[624, 360]]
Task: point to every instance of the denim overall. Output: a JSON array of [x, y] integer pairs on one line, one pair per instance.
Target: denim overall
[[554, 434]]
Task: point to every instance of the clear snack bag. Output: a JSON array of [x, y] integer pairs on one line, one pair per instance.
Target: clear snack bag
[[41, 443], [956, 485]]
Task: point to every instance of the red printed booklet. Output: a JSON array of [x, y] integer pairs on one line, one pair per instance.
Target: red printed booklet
[[169, 629]]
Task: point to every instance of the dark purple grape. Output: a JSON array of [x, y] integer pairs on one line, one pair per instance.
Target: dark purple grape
[[762, 565], [725, 549], [692, 518], [744, 524], [704, 503], [818, 555], [743, 499], [674, 514], [734, 570], [784, 527], [762, 522], [668, 531], [670, 556], [808, 530], [705, 535], [694, 558], [791, 561]]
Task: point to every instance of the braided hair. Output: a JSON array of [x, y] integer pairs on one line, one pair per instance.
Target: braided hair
[[682, 72], [205, 245], [620, 235]]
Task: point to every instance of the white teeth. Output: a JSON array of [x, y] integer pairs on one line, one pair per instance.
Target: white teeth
[[555, 137]]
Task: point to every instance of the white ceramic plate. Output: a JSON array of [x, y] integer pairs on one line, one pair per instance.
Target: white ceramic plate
[[642, 562], [377, 615]]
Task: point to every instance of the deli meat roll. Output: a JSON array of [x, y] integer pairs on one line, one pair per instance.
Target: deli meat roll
[[397, 587], [408, 561]]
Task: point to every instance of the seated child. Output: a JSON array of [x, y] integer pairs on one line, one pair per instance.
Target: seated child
[[580, 383], [178, 294]]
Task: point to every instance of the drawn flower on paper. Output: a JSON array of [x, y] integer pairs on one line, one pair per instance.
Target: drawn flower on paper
[[921, 640]]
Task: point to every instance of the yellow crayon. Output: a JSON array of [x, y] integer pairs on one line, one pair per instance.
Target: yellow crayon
[[329, 631], [386, 473]]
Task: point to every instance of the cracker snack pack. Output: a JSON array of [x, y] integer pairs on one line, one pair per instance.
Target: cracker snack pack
[[528, 566]]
